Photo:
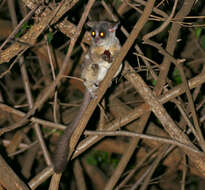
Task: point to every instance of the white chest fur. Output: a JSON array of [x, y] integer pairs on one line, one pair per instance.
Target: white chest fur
[[103, 69]]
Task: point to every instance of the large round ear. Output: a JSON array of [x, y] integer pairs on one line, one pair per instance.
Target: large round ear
[[91, 23], [113, 26]]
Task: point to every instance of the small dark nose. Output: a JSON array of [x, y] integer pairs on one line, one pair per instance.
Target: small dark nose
[[97, 39]]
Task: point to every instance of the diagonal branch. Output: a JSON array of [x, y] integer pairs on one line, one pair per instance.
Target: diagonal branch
[[167, 122]]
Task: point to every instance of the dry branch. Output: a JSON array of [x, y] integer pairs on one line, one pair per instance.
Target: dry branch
[[36, 91]]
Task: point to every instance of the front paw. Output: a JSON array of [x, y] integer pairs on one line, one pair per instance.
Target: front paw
[[93, 90], [106, 56], [93, 93]]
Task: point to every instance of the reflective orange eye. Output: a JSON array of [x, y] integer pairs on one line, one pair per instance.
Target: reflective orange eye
[[102, 34], [93, 33]]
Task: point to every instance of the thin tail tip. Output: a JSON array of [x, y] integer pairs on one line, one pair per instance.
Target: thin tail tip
[[59, 168], [59, 160]]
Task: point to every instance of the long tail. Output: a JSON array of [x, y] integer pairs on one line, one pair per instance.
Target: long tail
[[62, 148]]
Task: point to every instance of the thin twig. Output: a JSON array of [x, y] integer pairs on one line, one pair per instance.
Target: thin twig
[[148, 137]]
